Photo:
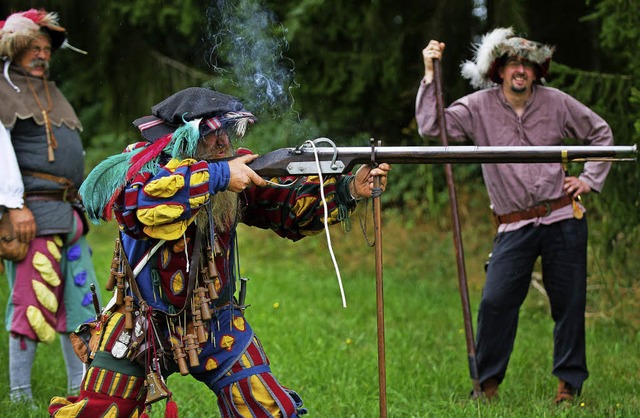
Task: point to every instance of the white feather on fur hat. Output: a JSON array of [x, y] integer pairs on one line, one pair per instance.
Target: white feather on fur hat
[[483, 71], [20, 28]]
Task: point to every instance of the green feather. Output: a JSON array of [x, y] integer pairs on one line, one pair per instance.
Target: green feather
[[103, 182], [185, 140]]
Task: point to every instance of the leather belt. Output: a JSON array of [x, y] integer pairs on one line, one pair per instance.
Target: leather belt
[[539, 211], [63, 195], [62, 181]]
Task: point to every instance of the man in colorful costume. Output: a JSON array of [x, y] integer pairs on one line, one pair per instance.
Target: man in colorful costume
[[40, 141], [177, 205], [536, 206]]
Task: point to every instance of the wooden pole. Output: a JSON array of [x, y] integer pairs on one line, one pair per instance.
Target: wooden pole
[[377, 225], [457, 238]]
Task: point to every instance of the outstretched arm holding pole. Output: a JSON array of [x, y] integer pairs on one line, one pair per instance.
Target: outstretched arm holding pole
[[434, 71]]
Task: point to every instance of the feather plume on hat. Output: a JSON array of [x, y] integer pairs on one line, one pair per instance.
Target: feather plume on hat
[[17, 32], [482, 72], [175, 128]]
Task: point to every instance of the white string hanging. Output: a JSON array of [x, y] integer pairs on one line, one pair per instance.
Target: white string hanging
[[326, 223]]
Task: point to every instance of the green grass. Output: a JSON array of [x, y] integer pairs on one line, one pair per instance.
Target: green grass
[[329, 353]]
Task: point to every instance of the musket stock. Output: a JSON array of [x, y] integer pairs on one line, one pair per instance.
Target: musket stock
[[301, 161]]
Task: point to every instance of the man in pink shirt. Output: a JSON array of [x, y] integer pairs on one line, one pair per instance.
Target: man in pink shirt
[[536, 206]]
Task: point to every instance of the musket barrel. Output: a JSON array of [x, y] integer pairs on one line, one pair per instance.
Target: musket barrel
[[340, 160]]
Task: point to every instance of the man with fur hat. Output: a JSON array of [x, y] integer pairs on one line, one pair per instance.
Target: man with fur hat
[[536, 206], [40, 141], [178, 197]]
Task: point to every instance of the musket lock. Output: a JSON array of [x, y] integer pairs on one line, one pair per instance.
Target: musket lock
[[311, 167]]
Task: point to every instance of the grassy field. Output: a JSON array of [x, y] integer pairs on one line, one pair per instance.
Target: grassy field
[[329, 353]]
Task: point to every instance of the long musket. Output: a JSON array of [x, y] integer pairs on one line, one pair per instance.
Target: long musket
[[308, 159], [301, 161]]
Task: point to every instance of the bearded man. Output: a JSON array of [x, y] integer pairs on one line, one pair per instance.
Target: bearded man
[[178, 200], [536, 206]]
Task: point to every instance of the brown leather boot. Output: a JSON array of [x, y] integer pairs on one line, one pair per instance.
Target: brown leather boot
[[566, 392], [490, 388]]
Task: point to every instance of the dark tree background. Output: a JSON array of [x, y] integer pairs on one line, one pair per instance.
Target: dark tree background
[[346, 70]]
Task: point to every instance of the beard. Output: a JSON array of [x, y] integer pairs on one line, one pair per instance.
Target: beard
[[225, 211], [224, 206]]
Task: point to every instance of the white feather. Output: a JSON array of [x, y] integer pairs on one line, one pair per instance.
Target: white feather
[[19, 24], [493, 45], [484, 55]]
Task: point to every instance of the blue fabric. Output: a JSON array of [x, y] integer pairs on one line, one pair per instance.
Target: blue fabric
[[562, 247], [219, 176], [226, 381]]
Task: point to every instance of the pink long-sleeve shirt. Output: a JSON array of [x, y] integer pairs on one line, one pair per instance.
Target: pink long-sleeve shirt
[[549, 117]]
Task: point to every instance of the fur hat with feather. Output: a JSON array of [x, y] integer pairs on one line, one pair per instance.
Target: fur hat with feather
[[492, 51], [20, 28]]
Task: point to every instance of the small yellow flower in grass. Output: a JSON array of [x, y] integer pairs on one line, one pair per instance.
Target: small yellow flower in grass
[[582, 404], [348, 341], [276, 305]]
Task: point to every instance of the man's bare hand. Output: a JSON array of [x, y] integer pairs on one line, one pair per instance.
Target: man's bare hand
[[242, 176], [574, 187], [432, 51], [362, 184], [24, 224]]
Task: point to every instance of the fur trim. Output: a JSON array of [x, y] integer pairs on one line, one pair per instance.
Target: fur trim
[[500, 42]]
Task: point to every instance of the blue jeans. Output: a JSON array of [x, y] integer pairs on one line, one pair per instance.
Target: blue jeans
[[562, 247]]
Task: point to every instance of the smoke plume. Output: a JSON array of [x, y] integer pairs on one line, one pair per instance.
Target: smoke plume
[[247, 51]]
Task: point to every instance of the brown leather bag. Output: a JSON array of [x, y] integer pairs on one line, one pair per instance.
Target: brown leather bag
[[10, 247]]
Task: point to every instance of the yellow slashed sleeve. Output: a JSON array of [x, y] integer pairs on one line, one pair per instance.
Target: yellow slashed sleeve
[[167, 232], [159, 215], [164, 186], [197, 179]]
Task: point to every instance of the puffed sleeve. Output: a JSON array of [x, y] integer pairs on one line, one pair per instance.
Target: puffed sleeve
[[298, 211], [11, 186], [163, 205]]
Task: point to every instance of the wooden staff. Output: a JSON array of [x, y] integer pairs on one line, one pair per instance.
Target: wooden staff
[[377, 225], [457, 238]]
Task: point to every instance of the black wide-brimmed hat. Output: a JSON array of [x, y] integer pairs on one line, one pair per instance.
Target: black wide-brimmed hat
[[214, 109]]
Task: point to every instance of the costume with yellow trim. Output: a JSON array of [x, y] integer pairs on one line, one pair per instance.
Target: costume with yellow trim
[[184, 296], [50, 286]]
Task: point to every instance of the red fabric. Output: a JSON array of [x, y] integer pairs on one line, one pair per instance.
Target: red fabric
[[97, 404], [171, 411], [150, 152]]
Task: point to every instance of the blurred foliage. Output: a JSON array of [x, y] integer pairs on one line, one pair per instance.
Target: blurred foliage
[[348, 72]]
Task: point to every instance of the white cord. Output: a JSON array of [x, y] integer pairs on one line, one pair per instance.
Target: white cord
[[145, 259], [326, 223], [143, 262], [186, 250]]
